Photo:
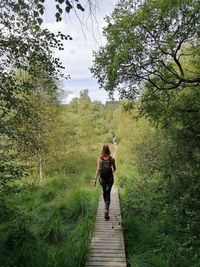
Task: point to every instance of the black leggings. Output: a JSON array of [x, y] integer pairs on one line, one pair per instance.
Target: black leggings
[[107, 186]]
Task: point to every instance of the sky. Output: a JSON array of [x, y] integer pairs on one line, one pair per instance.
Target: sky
[[77, 55]]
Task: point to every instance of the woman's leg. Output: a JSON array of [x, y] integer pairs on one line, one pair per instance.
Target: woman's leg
[[107, 193], [103, 184], [107, 186]]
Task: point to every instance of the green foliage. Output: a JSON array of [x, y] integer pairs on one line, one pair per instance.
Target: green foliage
[[50, 228], [10, 168], [158, 38], [48, 218], [28, 92], [54, 229], [160, 187], [19, 244], [48, 151], [24, 43], [27, 120], [158, 60], [39, 7]]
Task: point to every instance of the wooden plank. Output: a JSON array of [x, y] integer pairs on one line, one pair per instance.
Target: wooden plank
[[106, 251], [106, 259], [109, 249], [107, 244], [114, 254], [109, 240], [106, 264], [116, 243]]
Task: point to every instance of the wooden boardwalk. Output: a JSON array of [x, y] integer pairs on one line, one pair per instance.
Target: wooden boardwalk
[[107, 245]]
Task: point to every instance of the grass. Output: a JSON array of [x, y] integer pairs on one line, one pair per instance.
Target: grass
[[142, 239], [51, 225], [149, 238]]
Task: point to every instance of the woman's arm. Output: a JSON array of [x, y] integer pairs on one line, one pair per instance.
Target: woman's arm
[[97, 171], [113, 165]]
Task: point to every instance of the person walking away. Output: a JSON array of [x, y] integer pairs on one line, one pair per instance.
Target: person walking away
[[105, 170]]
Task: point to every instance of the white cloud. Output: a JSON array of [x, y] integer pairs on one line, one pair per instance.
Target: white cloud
[[77, 55]]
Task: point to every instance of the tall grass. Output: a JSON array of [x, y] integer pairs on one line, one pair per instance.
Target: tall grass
[[149, 239], [143, 237], [142, 242], [50, 225]]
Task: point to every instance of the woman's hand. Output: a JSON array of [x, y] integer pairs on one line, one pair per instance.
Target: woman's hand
[[95, 181]]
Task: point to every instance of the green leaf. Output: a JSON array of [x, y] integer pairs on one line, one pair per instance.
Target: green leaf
[[41, 11], [40, 6], [39, 20], [37, 27], [79, 6], [68, 4], [36, 14], [16, 7], [58, 17], [67, 9], [21, 2]]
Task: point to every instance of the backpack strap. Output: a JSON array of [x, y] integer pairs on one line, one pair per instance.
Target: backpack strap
[[110, 160], [101, 161]]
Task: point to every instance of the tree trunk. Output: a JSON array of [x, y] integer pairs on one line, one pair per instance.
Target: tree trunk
[[40, 166]]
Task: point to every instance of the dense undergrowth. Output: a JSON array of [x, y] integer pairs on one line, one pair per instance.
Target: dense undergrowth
[[47, 202], [159, 189], [152, 58], [152, 239], [49, 225]]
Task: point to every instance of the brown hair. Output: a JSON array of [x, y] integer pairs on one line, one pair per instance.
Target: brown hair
[[105, 150]]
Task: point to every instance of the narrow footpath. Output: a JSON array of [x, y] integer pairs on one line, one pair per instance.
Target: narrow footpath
[[107, 244]]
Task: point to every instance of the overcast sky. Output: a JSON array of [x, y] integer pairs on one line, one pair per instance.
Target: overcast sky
[[77, 54]]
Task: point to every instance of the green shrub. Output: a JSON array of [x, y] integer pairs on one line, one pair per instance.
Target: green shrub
[[54, 231], [20, 245]]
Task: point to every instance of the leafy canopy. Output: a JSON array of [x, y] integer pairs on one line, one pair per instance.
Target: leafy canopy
[[149, 42]]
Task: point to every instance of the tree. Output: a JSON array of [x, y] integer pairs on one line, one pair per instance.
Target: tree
[[27, 66], [27, 125], [153, 51], [26, 47], [27, 98], [23, 43], [150, 43]]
